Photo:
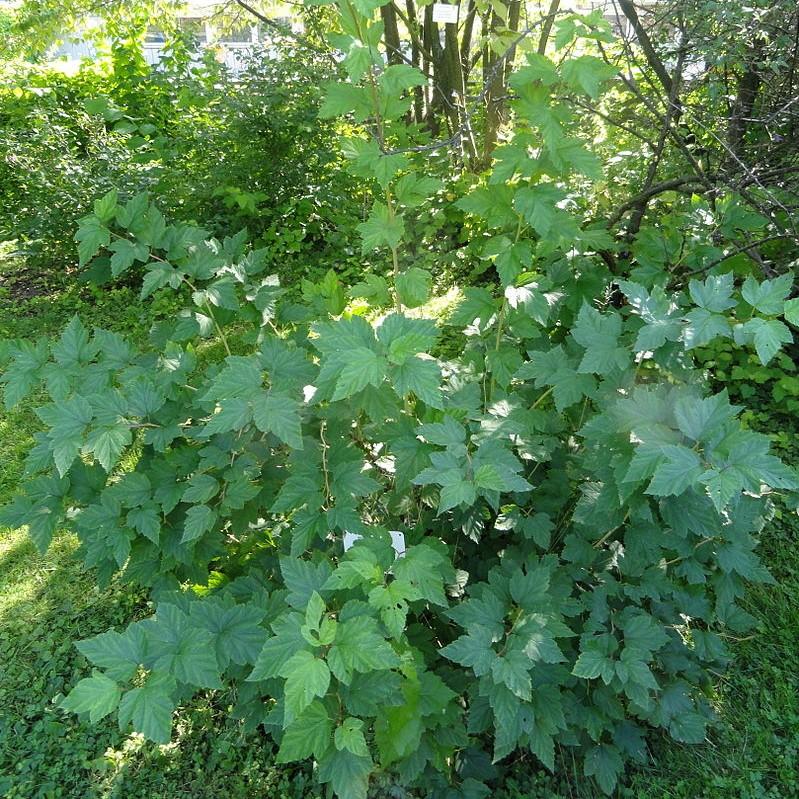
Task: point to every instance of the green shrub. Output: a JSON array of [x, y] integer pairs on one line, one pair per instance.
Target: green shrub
[[249, 150], [230, 150], [749, 380], [579, 513], [55, 158]]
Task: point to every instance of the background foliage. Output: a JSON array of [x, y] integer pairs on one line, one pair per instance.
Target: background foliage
[[569, 483]]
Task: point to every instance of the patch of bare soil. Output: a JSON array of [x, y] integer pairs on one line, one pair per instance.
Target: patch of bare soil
[[19, 282]]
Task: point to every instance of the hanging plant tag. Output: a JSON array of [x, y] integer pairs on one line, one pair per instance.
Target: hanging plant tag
[[444, 12]]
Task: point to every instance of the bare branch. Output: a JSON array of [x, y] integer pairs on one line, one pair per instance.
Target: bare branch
[[629, 11], [647, 194], [743, 248]]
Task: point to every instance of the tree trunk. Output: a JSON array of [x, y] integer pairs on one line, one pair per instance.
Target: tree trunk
[[466, 40], [446, 72], [418, 91], [391, 34], [546, 28], [496, 79], [745, 97]]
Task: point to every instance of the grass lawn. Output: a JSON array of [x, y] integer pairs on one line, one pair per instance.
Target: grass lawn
[[48, 601]]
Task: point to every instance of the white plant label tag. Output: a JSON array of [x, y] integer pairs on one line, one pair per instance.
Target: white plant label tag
[[445, 12], [397, 541]]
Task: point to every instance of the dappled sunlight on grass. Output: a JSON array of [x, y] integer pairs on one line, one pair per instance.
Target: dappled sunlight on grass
[[16, 435], [208, 757], [753, 750], [18, 574], [26, 574], [439, 306]]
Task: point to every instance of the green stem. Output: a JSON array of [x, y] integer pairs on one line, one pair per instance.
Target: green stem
[[191, 285], [500, 323], [381, 139], [210, 310], [324, 463], [394, 253], [542, 397], [503, 311], [610, 532]]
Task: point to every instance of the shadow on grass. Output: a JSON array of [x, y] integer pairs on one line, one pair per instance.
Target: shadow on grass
[[754, 750], [47, 602]]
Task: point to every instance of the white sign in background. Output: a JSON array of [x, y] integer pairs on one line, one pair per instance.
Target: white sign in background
[[444, 12], [397, 541]]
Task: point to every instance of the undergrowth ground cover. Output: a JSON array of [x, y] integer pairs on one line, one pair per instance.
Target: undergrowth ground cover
[[529, 298], [49, 601]]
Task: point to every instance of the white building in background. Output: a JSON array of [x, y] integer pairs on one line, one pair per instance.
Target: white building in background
[[196, 18]]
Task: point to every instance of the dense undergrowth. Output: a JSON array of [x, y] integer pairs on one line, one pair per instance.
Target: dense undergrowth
[[50, 601], [298, 313]]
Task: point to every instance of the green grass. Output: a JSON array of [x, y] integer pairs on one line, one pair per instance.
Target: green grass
[[755, 749], [48, 601]]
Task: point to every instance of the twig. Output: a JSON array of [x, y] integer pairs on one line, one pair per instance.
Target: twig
[[649, 193], [739, 250]]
